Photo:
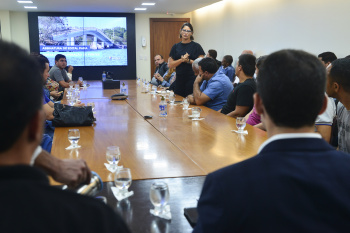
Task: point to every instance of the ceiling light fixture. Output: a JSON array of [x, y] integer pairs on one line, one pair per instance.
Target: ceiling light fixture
[[140, 9], [148, 4], [30, 7], [24, 1]]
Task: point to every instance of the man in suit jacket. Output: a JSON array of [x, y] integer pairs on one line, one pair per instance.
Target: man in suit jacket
[[27, 202], [296, 182]]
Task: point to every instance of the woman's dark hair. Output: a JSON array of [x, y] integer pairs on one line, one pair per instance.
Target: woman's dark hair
[[188, 25]]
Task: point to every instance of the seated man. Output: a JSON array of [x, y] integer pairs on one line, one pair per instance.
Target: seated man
[[215, 87], [24, 190], [161, 68], [297, 182], [327, 58], [240, 101], [213, 54], [59, 74], [338, 86], [227, 67]]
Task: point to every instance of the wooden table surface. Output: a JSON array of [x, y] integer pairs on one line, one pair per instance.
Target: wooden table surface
[[174, 146]]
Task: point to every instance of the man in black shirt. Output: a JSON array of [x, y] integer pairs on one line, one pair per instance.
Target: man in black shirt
[[240, 101], [28, 203], [161, 68]]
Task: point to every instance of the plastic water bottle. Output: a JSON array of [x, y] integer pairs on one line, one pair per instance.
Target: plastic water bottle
[[123, 89], [104, 76], [162, 108]]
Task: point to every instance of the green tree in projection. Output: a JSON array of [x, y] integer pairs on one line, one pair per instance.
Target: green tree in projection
[[117, 34], [49, 26]]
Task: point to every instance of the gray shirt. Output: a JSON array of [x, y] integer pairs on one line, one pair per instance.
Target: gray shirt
[[343, 128], [58, 75]]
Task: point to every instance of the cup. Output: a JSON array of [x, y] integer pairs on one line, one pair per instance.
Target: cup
[[185, 104], [122, 180], [240, 124], [159, 196], [196, 112]]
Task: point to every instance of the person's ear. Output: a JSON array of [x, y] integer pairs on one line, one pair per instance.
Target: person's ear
[[259, 106], [324, 104], [336, 87]]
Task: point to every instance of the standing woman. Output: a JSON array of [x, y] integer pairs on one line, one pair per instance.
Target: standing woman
[[182, 56]]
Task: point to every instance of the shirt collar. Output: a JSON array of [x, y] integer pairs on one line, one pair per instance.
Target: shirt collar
[[288, 136]]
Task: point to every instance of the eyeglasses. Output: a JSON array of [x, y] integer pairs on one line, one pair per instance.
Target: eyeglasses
[[188, 31]]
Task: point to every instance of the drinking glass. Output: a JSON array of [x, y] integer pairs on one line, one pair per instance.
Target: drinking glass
[[73, 137], [113, 155], [80, 79], [84, 85], [72, 100], [185, 103], [122, 180], [172, 98], [71, 84], [92, 104], [154, 89], [77, 87], [159, 195], [240, 124], [196, 113]]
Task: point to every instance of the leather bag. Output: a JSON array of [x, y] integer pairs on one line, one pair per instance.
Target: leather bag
[[67, 116]]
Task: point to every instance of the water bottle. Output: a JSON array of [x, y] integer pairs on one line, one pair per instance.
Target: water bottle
[[123, 88], [104, 76], [162, 108]]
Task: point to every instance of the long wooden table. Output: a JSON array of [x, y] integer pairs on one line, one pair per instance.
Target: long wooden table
[[174, 146]]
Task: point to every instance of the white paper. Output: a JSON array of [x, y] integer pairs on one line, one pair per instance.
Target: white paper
[[119, 195]]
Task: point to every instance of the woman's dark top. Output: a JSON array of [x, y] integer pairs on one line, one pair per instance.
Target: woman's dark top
[[184, 73]]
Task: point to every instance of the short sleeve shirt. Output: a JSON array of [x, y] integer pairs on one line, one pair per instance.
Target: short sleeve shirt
[[242, 95], [228, 71], [193, 49], [58, 75], [217, 89], [343, 128], [326, 118]]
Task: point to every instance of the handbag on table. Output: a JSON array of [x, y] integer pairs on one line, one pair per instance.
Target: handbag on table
[[66, 116]]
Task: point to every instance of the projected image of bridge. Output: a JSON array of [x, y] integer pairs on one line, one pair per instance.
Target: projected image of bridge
[[93, 37], [85, 41]]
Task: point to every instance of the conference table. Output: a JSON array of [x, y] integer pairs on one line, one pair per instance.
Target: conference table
[[174, 148]]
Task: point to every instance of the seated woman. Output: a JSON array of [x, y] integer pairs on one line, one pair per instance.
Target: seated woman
[[167, 79]]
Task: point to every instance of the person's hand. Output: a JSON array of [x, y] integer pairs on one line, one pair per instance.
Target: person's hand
[[199, 79], [159, 77], [190, 99], [55, 94], [72, 172], [80, 83], [79, 104], [70, 69]]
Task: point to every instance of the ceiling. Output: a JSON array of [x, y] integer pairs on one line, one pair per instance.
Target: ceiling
[[125, 6]]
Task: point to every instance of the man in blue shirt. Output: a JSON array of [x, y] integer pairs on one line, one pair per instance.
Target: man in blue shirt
[[227, 67], [215, 87]]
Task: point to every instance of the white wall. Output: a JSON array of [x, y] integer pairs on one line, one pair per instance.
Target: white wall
[[143, 62], [14, 27], [20, 30], [5, 25], [265, 26]]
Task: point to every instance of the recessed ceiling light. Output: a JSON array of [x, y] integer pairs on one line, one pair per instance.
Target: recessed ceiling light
[[24, 1], [140, 9], [148, 4], [30, 7]]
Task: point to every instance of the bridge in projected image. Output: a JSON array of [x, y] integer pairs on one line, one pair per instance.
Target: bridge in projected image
[[99, 41]]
